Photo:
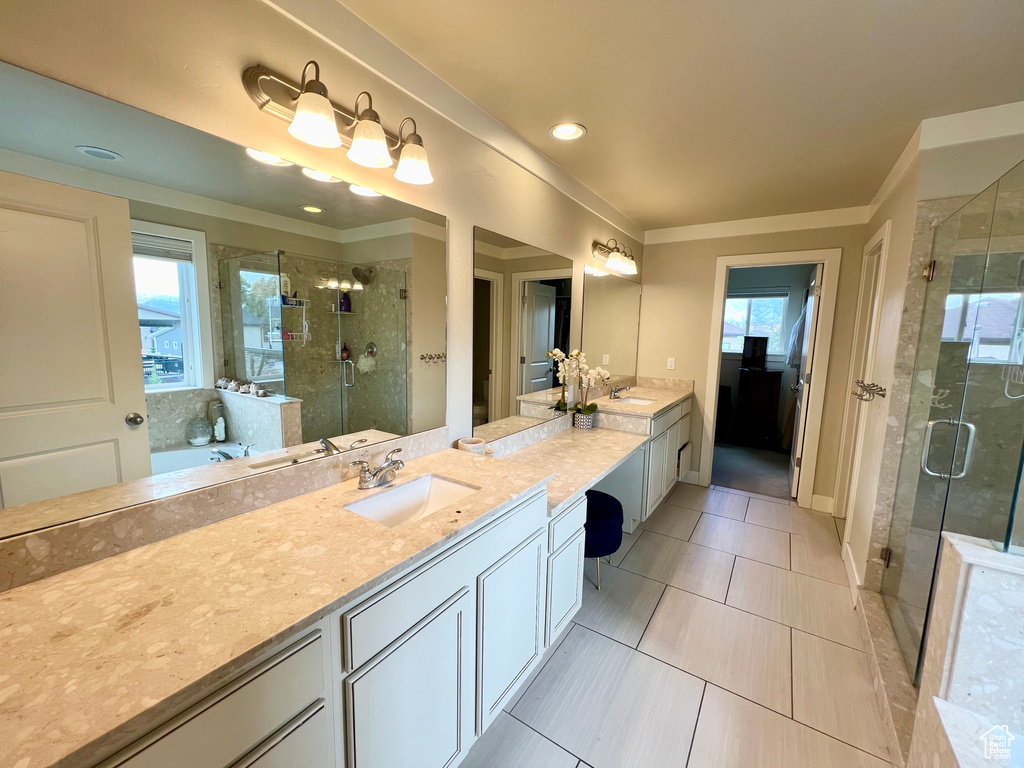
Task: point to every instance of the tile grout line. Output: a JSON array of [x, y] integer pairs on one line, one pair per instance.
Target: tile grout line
[[650, 618], [696, 721], [546, 738], [731, 572]]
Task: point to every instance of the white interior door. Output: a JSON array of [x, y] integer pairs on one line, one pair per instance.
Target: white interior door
[[70, 349], [538, 336], [861, 483], [804, 380]]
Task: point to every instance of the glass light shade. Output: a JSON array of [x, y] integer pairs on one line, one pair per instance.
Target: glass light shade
[[589, 270], [267, 158], [314, 121], [356, 285], [332, 283], [363, 191], [370, 146], [617, 262], [345, 285], [413, 167], [630, 266]]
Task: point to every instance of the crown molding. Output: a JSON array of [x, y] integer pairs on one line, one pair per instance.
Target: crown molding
[[837, 217]]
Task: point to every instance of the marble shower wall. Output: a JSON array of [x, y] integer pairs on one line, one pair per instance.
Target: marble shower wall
[[380, 398]]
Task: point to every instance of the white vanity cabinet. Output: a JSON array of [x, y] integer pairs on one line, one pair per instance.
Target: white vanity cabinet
[[670, 431], [410, 675]]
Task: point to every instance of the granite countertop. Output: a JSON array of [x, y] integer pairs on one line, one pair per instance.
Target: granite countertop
[[663, 400], [496, 430], [579, 459], [100, 655], [37, 515]]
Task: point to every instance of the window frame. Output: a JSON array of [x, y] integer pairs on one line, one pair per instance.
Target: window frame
[[1015, 339], [197, 307], [778, 292]]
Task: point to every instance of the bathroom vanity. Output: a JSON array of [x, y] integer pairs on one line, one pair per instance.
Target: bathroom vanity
[[305, 634]]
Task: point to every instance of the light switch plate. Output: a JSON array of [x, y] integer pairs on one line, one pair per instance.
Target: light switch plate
[[671, 364], [605, 359]]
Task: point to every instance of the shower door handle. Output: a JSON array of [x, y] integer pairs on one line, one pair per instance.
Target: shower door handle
[[972, 433], [345, 364]]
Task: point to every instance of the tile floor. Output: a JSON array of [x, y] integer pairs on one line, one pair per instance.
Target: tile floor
[[723, 637]]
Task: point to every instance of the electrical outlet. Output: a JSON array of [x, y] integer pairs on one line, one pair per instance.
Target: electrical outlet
[[671, 365], [605, 359]]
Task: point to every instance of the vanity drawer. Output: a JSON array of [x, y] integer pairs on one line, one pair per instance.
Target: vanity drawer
[[375, 623], [666, 420], [562, 528], [244, 713], [685, 406]]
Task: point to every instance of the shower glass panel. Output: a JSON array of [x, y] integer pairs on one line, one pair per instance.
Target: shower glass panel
[[961, 458], [250, 314]]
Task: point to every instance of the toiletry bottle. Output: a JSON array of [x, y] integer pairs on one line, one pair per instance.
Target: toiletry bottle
[[345, 354], [337, 350], [346, 302]]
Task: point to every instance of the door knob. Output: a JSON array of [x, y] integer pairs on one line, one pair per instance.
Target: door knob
[[134, 419]]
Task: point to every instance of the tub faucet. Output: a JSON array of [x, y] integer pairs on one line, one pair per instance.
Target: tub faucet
[[382, 475], [220, 455], [327, 448], [614, 394]]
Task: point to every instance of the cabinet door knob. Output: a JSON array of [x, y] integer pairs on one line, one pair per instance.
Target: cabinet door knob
[[134, 419]]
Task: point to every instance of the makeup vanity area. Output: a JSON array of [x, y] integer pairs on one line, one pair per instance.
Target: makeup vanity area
[[268, 611]]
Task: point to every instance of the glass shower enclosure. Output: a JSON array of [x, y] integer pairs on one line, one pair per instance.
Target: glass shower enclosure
[[329, 333], [960, 468]]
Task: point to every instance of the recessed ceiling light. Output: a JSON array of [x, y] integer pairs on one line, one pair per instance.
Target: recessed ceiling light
[[267, 158], [319, 176], [568, 131], [98, 153], [364, 191], [312, 209]]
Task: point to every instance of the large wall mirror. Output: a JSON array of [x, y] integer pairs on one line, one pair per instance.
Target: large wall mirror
[[522, 308], [611, 322], [181, 309]]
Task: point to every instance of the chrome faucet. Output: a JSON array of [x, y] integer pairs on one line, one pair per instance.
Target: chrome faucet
[[382, 475], [614, 394], [220, 455], [327, 448], [354, 443]]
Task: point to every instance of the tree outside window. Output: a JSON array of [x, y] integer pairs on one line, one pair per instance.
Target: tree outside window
[[754, 316]]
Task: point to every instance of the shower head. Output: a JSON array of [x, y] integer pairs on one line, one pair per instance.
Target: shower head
[[364, 276]]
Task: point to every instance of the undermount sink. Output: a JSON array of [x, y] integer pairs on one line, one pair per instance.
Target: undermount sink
[[411, 501], [633, 400]]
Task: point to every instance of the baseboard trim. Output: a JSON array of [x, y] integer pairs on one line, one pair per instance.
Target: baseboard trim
[[822, 504], [851, 573], [692, 477]]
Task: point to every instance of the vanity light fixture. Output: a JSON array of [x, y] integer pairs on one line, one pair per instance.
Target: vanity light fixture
[[568, 131], [310, 173], [267, 159], [312, 209], [356, 285], [594, 271], [345, 285], [312, 118], [363, 191], [369, 144], [617, 257], [413, 167], [314, 121]]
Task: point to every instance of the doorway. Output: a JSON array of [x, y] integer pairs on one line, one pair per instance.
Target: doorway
[[540, 322], [771, 330], [488, 314]]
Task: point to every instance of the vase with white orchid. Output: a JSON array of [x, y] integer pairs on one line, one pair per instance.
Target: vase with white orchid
[[589, 378], [567, 371], [573, 370]]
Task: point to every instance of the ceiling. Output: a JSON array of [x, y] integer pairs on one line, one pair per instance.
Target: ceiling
[[714, 110], [53, 118]]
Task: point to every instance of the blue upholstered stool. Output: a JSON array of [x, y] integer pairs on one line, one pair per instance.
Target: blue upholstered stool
[[603, 527]]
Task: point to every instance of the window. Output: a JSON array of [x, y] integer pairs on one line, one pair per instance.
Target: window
[[990, 322], [170, 282], [755, 315]]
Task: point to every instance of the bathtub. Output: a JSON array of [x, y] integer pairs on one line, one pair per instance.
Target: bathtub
[[193, 456]]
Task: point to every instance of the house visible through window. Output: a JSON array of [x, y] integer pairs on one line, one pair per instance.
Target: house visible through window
[[755, 315], [165, 291], [991, 322]]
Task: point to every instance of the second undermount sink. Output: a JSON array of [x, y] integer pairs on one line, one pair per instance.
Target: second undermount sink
[[411, 501], [633, 400]]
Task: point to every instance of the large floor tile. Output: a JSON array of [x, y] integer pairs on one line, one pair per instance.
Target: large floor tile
[[791, 519], [507, 743], [624, 605], [628, 540], [735, 733], [819, 558], [548, 654], [612, 706], [700, 570], [803, 602], [833, 692], [709, 500], [751, 541], [738, 651], [674, 521], [750, 494]]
